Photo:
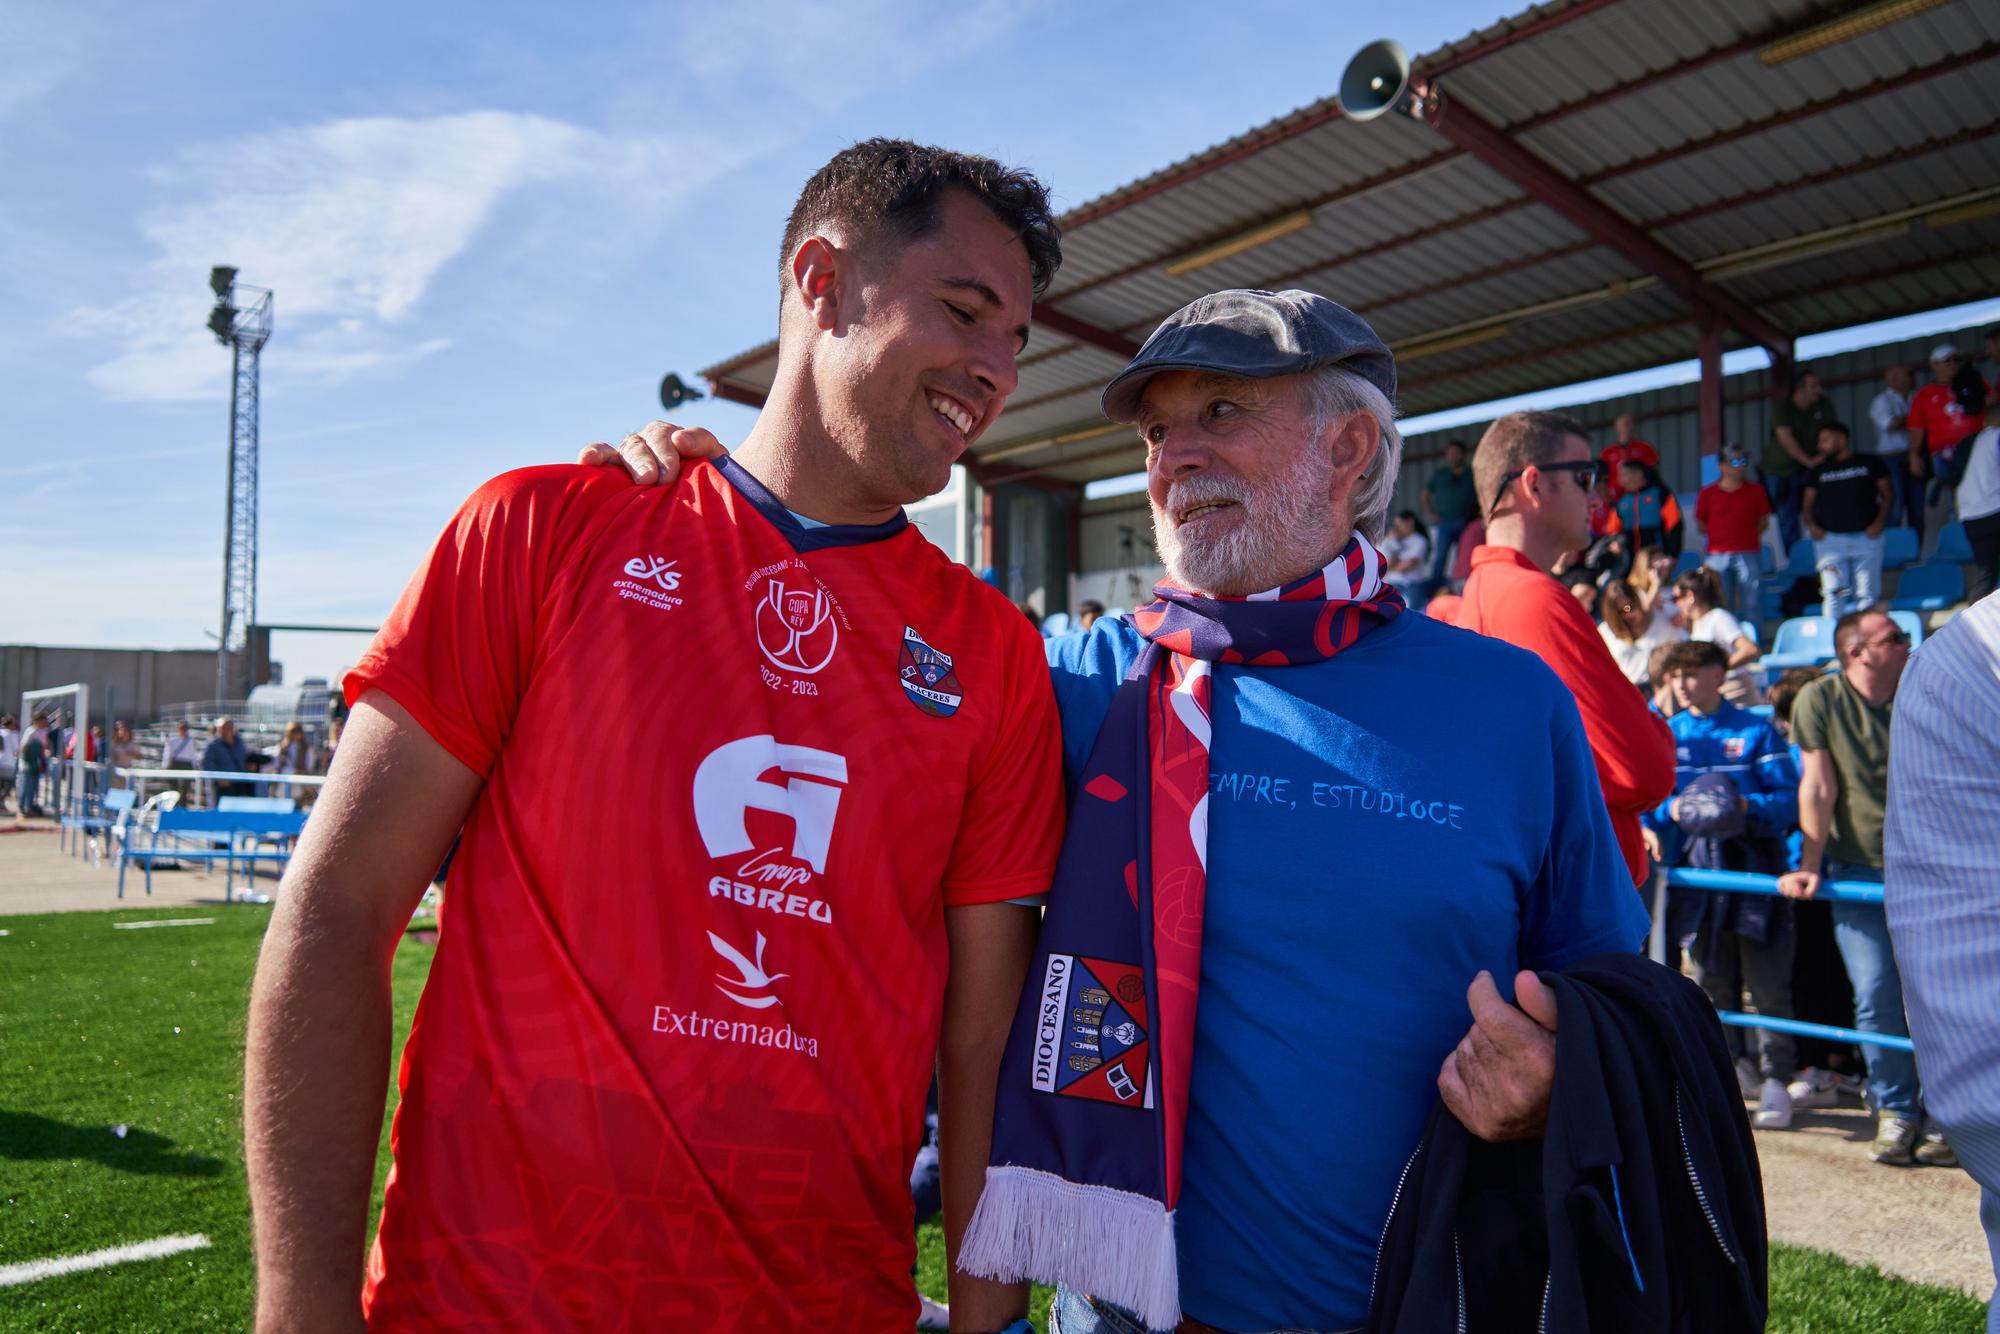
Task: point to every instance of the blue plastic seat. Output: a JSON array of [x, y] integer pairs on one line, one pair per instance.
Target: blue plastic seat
[[1929, 586], [1952, 544], [1803, 641], [1801, 564], [1899, 548], [1687, 560]]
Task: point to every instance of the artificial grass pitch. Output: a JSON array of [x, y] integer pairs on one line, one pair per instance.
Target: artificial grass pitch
[[102, 1028]]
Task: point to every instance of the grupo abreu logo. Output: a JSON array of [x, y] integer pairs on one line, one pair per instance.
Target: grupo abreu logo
[[797, 783]]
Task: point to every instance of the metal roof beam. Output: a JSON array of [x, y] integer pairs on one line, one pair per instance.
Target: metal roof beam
[[1478, 136], [1083, 331]]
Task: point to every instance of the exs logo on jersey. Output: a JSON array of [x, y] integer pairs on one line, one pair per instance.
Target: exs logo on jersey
[[730, 783], [650, 582]]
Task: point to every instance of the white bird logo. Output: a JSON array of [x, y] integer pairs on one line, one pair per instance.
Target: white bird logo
[[751, 975]]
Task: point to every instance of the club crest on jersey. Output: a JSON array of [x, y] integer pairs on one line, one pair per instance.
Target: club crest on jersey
[[1091, 1035], [796, 627], [1733, 747], [927, 677]]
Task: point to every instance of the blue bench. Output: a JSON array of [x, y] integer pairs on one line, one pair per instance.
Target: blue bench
[[229, 837], [102, 814]]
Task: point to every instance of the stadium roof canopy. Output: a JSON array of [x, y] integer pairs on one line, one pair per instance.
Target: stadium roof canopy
[[1591, 185]]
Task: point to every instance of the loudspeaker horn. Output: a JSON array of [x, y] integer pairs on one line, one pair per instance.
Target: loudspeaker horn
[[675, 391], [1375, 81]]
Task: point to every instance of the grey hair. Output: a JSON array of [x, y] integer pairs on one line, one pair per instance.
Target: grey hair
[[1334, 392]]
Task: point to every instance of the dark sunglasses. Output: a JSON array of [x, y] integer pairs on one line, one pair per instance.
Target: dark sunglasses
[[1587, 472]]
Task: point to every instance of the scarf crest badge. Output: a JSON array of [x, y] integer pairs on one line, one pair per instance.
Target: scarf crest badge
[[1092, 1102]]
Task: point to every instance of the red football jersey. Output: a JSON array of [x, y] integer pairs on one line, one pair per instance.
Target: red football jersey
[[668, 1071]]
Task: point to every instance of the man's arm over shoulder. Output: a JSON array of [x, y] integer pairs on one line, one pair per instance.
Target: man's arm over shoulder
[[317, 1060]]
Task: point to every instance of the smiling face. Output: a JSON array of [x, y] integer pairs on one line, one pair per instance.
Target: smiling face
[[1244, 496], [918, 353]]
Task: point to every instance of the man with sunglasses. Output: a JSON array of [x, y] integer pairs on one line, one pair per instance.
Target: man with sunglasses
[[1537, 476], [1840, 724]]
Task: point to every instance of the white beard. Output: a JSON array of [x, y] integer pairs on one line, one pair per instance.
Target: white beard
[[1287, 529]]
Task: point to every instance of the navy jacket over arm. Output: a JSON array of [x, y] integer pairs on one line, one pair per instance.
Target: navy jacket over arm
[[1641, 1209]]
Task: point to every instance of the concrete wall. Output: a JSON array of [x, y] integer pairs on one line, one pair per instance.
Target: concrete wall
[[142, 680]]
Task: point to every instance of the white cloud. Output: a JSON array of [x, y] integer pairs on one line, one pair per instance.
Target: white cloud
[[351, 222]]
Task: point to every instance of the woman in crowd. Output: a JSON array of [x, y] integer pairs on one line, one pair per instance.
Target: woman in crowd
[[1652, 569], [1631, 632], [124, 750], [1698, 598], [295, 756]]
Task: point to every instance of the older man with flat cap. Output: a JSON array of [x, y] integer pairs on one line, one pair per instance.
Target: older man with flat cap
[[1336, 823]]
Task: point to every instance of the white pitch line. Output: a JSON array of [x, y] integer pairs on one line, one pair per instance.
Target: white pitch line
[[34, 1270], [164, 921]]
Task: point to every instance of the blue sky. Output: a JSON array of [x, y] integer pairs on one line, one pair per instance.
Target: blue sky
[[491, 230]]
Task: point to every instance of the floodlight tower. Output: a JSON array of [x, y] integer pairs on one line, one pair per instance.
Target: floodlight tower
[[241, 321]]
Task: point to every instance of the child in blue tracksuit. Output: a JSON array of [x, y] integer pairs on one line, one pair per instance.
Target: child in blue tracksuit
[[1735, 798]]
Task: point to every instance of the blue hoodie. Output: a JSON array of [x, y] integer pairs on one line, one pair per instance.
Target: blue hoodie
[[1747, 748]]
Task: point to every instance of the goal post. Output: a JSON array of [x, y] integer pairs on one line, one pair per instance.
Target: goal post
[[68, 794]]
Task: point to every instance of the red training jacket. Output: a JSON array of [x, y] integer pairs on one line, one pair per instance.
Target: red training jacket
[[1508, 598]]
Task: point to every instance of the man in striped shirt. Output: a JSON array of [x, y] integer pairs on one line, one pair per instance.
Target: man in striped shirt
[[1942, 887]]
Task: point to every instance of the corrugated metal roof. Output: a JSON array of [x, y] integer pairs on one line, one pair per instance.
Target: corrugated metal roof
[[1665, 115]]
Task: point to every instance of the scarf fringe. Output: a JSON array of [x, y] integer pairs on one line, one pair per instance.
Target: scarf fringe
[[1111, 1244]]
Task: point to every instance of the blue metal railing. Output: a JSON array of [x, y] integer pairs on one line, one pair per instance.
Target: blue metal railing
[[1835, 891]]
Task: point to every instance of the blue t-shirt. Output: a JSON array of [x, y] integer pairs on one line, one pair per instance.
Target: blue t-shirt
[[1381, 827]]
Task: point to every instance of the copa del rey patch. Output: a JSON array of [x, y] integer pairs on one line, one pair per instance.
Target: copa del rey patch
[[927, 677], [1091, 1034]]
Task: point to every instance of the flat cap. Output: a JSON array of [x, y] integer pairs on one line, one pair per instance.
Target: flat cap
[[1254, 334]]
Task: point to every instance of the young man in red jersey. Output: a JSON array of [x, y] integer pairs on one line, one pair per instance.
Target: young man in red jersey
[[669, 1067], [1731, 514]]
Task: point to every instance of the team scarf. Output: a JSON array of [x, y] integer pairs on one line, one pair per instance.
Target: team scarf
[[1088, 1122]]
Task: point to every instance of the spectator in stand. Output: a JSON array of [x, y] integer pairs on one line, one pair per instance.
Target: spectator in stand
[[1736, 796], [1407, 548], [1632, 634], [1841, 726], [295, 756], [1731, 516], [35, 760], [1890, 412], [1644, 512], [1470, 541], [1978, 464], [1623, 449], [1794, 447], [226, 753], [124, 751], [1846, 507], [180, 752], [1941, 851], [1536, 475], [1784, 691], [10, 756], [1450, 502], [1651, 578], [1663, 701], [1087, 613], [338, 725], [1698, 598], [1940, 417], [1582, 585]]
